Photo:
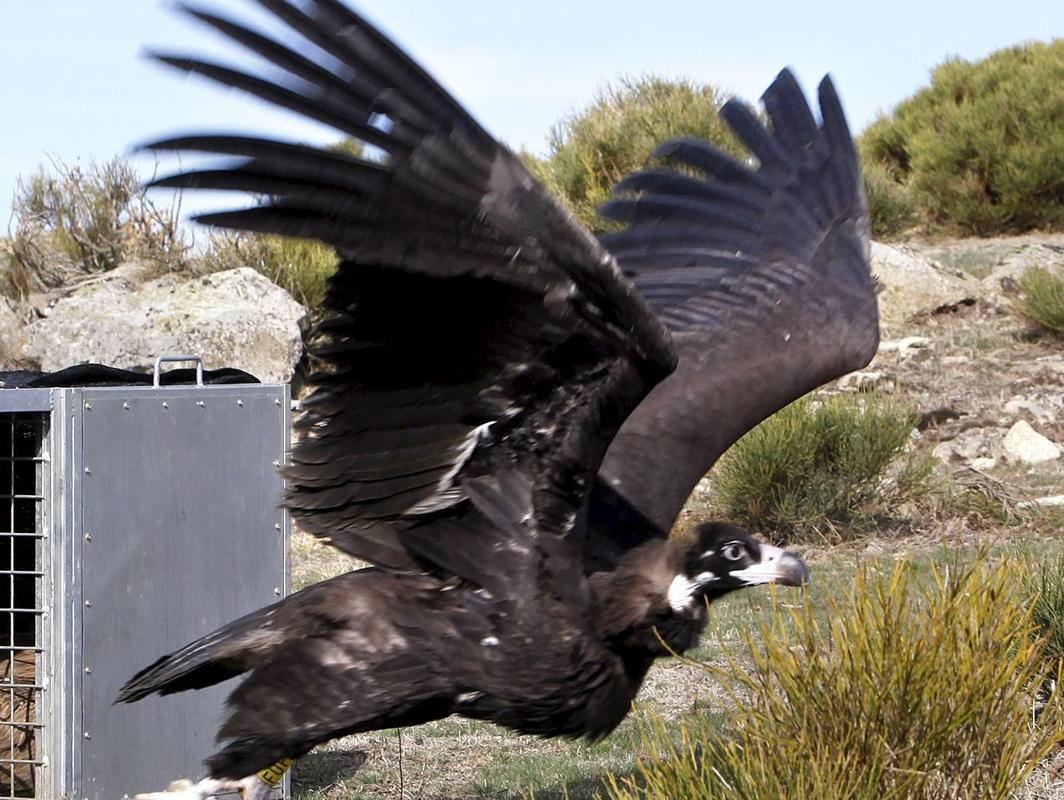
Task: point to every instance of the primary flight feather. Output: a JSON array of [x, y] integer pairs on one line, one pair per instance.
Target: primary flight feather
[[509, 412]]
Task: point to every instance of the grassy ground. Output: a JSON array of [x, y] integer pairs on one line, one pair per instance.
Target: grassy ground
[[457, 758]]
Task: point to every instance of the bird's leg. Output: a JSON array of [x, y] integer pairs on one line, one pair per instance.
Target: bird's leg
[[185, 789], [253, 787]]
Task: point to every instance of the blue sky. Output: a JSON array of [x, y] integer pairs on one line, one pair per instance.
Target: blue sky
[[73, 85]]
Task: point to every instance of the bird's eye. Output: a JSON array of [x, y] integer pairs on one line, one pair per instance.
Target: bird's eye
[[733, 551]]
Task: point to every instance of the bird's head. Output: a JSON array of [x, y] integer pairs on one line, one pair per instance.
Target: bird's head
[[721, 558]]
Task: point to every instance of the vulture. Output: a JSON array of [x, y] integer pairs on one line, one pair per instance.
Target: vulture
[[509, 412]]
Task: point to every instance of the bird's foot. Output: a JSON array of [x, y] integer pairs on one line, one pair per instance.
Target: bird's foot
[[250, 788]]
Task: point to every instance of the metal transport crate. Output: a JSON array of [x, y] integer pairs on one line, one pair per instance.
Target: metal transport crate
[[133, 519]]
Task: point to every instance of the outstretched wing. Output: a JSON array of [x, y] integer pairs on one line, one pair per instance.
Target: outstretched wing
[[762, 275], [483, 347]]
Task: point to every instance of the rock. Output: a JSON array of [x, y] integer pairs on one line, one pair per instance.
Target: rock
[[914, 284], [982, 464], [945, 453], [866, 381], [1017, 405], [968, 445], [236, 319], [1024, 445], [904, 347], [1017, 259], [1051, 364]]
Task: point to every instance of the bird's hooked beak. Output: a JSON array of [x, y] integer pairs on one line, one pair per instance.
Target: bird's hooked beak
[[776, 566]]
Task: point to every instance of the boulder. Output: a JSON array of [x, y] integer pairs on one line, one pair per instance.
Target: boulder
[[1017, 406], [968, 446], [1020, 257], [236, 318], [1024, 445], [914, 285]]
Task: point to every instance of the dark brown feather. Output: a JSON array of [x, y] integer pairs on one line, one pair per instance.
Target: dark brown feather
[[482, 352], [766, 303]]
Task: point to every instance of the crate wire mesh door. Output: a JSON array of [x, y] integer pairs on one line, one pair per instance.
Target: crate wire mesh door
[[22, 540]]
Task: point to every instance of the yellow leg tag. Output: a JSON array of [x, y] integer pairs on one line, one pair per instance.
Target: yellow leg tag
[[272, 775]]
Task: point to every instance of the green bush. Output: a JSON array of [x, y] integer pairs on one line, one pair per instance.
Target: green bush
[[593, 149], [1042, 298], [820, 464], [299, 266], [71, 221], [904, 693], [982, 148], [890, 204]]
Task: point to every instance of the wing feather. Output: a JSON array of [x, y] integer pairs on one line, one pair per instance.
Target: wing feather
[[766, 303], [476, 328]]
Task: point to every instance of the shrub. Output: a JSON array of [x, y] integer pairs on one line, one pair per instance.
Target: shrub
[[1045, 584], [982, 147], [594, 148], [1042, 299], [890, 204], [904, 693], [300, 266], [73, 221], [819, 464]]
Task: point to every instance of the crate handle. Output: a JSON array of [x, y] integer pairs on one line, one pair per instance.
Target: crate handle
[[160, 359]]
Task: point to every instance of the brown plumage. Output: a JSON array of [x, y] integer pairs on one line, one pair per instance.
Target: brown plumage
[[486, 429]]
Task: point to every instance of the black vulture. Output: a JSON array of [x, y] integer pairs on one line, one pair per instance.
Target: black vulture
[[510, 412]]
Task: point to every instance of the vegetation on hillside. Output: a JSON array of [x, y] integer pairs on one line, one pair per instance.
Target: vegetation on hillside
[[590, 151], [981, 149], [71, 221], [890, 203]]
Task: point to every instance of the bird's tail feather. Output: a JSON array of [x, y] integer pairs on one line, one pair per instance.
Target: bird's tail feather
[[225, 653]]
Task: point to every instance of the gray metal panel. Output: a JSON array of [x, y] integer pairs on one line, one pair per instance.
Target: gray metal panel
[[181, 533], [19, 400], [64, 680]]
